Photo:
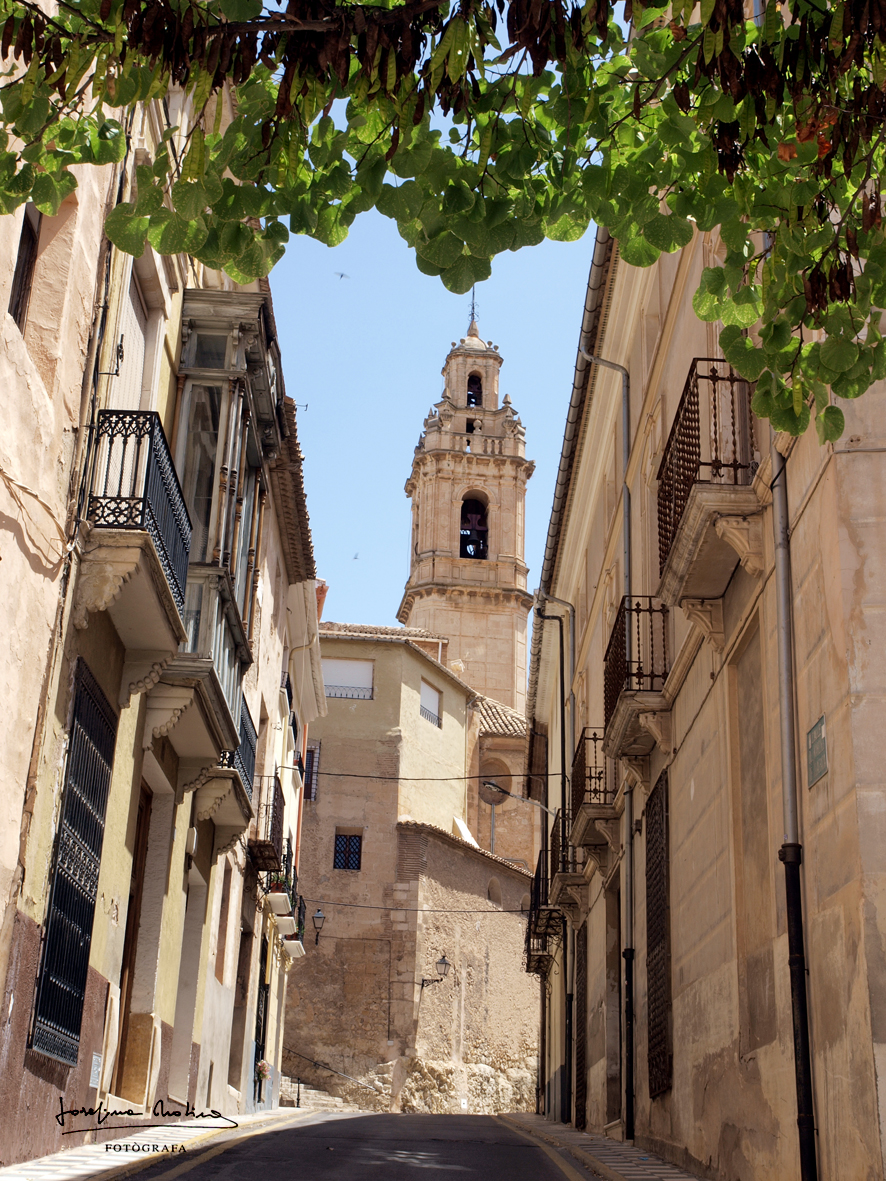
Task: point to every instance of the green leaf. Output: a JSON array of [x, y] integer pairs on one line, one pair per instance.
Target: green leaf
[[741, 354], [567, 228], [403, 203], [428, 268], [464, 273], [169, 233], [838, 354], [441, 251], [127, 230], [48, 193], [527, 233], [331, 227], [829, 424], [668, 233], [638, 252], [742, 310], [241, 10]]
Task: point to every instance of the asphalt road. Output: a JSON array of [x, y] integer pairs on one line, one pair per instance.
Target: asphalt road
[[375, 1148]]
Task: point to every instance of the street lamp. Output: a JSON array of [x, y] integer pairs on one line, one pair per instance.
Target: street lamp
[[318, 920], [442, 965], [523, 799]]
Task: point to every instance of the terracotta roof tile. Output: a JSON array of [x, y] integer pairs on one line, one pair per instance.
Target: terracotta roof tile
[[496, 718]]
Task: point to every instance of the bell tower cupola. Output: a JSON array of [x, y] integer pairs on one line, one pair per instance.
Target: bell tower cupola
[[467, 574]]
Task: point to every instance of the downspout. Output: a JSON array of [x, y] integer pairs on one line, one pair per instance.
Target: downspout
[[566, 1091], [790, 853], [628, 951]]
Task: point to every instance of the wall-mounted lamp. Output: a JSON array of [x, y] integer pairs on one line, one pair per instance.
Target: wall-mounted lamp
[[318, 920], [523, 799], [442, 965]]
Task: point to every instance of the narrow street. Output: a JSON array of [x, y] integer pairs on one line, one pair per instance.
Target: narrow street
[[387, 1147]]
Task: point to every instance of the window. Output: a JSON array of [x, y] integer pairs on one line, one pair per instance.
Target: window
[[658, 940], [312, 770], [61, 987], [348, 678], [474, 530], [24, 267], [430, 704], [348, 850], [475, 390], [210, 351], [198, 484]]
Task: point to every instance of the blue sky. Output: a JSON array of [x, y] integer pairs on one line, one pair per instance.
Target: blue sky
[[365, 353]]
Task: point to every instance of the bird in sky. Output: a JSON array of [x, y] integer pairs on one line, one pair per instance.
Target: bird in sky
[[342, 275], [355, 557]]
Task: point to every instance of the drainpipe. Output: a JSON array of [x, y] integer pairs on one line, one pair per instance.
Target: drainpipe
[[566, 1092], [544, 599], [790, 853], [628, 951]]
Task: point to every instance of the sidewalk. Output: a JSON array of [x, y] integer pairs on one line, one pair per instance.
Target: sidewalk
[[130, 1154], [611, 1159]]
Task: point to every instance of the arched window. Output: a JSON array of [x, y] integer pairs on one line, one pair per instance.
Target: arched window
[[474, 530], [475, 390]]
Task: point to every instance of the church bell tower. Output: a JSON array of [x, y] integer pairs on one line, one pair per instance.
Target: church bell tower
[[467, 576]]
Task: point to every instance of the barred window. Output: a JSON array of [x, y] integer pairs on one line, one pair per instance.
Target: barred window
[[348, 851], [61, 987], [312, 770]]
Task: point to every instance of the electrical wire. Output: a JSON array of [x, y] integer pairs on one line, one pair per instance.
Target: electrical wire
[[417, 778]]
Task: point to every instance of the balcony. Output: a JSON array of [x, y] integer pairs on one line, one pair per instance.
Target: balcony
[[634, 672], [279, 885], [215, 651], [707, 509], [135, 561], [242, 759], [294, 944], [539, 954], [567, 880], [266, 847], [543, 918], [593, 792]]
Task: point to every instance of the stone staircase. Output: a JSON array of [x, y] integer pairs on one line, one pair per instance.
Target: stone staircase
[[311, 1099]]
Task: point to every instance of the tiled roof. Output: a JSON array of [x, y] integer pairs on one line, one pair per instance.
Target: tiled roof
[[435, 831], [369, 629], [496, 718]]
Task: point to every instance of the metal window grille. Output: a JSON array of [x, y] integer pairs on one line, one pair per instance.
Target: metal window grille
[[61, 987], [581, 1026], [658, 941], [312, 771], [430, 716], [537, 763], [261, 1018], [348, 851], [243, 758]]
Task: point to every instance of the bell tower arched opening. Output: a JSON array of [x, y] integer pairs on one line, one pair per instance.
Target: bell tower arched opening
[[475, 390], [473, 530]]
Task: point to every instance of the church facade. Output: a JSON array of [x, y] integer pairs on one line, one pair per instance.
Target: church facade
[[416, 847]]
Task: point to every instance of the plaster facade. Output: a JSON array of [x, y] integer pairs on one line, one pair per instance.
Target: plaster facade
[[714, 1054], [405, 782], [194, 680]]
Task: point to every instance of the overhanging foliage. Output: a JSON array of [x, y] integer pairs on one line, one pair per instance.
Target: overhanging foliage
[[772, 131]]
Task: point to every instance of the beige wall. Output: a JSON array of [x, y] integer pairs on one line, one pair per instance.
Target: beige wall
[[732, 1109]]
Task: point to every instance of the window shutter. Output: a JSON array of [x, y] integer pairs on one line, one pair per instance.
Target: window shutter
[[61, 987]]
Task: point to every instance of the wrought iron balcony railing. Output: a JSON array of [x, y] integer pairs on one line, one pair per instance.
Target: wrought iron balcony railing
[[711, 441], [593, 779], [243, 758], [358, 692], [430, 716], [286, 686], [562, 853], [266, 847], [637, 654], [538, 895], [282, 884], [133, 485]]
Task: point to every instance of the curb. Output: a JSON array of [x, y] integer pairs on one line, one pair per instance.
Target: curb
[[585, 1158]]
